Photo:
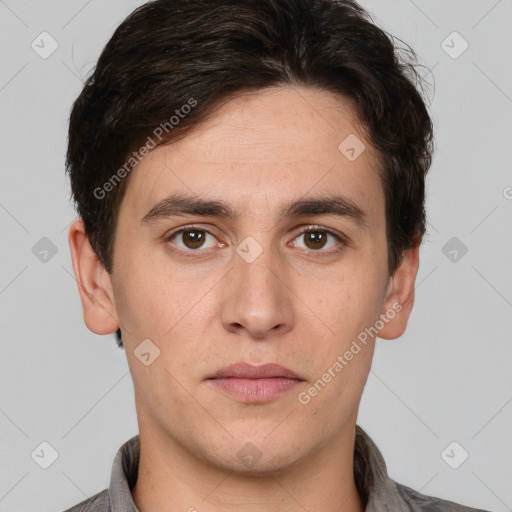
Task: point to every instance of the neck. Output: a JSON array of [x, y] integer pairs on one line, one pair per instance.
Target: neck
[[170, 478]]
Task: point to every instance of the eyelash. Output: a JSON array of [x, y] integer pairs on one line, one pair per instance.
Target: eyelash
[[308, 229]]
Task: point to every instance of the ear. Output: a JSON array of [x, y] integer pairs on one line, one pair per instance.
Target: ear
[[400, 295], [94, 284]]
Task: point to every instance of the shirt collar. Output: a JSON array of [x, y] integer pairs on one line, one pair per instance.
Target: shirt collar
[[370, 472]]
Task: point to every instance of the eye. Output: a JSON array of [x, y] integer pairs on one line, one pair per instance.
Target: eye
[[316, 238], [191, 237]]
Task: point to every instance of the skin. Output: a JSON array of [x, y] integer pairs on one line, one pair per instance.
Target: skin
[[291, 305]]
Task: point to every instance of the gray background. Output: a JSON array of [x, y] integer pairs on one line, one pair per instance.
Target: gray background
[[447, 379]]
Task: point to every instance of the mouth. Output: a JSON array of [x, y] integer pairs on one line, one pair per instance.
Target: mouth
[[249, 371], [255, 384]]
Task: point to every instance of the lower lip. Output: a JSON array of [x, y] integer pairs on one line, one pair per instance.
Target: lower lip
[[255, 390]]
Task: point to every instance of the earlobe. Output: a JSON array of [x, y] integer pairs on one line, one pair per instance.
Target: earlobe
[[400, 296], [94, 284]]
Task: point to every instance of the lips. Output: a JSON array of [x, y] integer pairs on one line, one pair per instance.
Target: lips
[[248, 371], [255, 384]]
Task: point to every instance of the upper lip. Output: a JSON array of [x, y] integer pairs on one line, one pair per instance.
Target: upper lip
[[248, 371]]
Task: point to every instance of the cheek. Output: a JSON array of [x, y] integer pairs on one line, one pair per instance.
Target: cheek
[[347, 302], [149, 299], [335, 396]]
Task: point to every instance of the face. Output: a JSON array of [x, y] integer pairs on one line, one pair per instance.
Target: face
[[210, 289]]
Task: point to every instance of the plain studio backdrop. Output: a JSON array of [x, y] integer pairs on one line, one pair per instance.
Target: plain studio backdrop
[[438, 397]]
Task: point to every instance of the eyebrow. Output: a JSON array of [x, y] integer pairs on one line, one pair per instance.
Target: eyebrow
[[181, 204]]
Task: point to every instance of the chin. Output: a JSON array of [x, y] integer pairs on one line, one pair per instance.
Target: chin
[[258, 454]]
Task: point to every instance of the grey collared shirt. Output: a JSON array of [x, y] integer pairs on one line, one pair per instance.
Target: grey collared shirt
[[380, 493]]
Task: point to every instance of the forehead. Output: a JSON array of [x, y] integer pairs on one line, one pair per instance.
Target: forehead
[[262, 149]]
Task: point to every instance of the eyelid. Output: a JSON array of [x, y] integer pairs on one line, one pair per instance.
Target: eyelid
[[316, 227], [189, 227]]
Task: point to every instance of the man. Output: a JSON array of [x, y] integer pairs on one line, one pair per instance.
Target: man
[[249, 177]]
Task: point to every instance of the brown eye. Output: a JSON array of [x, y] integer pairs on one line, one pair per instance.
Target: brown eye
[[190, 239], [193, 239], [315, 239]]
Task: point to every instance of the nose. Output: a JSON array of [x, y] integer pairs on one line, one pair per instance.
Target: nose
[[257, 298]]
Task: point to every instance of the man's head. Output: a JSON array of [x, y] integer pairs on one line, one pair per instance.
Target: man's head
[[258, 118], [181, 59]]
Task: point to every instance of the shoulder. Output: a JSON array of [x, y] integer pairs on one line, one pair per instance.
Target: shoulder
[[97, 503], [420, 502]]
